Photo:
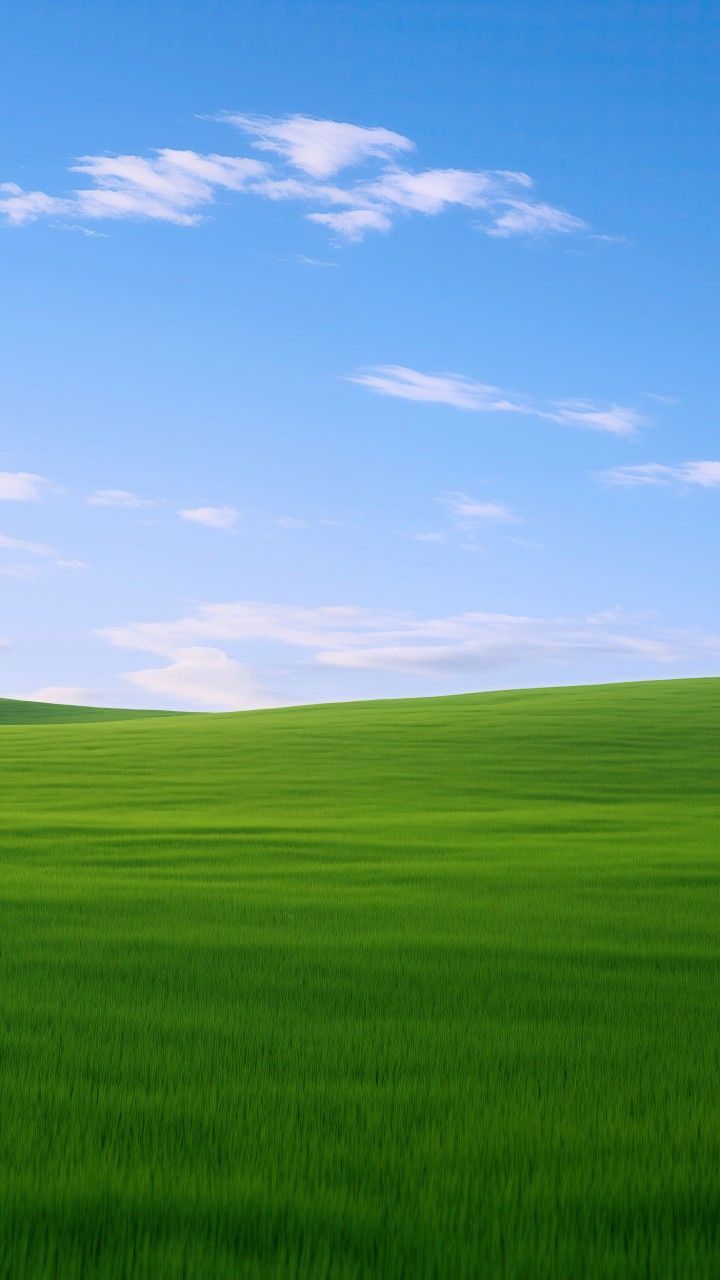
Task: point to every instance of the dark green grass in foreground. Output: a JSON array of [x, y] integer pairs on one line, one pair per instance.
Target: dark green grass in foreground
[[403, 989]]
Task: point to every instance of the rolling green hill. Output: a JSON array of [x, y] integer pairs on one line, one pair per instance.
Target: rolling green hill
[[408, 989], [14, 711]]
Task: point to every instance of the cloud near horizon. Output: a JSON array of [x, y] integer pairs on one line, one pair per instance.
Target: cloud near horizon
[[178, 186], [66, 694], [200, 673], [198, 670], [464, 393]]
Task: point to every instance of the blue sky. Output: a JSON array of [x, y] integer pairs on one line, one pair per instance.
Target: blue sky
[[356, 349]]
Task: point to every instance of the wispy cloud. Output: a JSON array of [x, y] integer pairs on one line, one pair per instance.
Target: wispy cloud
[[618, 419], [319, 147], [526, 218], [213, 517], [430, 192], [7, 543], [18, 206], [43, 555], [69, 562], [493, 192], [479, 397], [352, 224], [293, 625], [305, 261], [465, 511], [21, 486], [477, 643], [486, 642], [660, 399], [178, 186], [118, 498], [703, 475], [173, 186], [466, 517], [433, 191], [433, 388], [169, 186]]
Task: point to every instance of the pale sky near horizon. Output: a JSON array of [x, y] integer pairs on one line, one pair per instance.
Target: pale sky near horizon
[[356, 349]]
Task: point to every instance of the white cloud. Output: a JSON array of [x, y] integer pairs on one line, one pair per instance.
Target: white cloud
[[172, 186], [445, 388], [616, 418], [305, 261], [177, 186], [352, 224], [466, 518], [432, 191], [213, 517], [319, 147], [90, 233], [76, 565], [21, 486], [375, 640], [705, 475], [71, 694], [295, 522], [479, 397], [465, 510], [294, 625], [524, 218], [487, 642], [117, 498], [205, 675], [429, 192], [19, 206]]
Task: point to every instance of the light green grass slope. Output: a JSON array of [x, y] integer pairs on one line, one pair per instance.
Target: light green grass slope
[[399, 990]]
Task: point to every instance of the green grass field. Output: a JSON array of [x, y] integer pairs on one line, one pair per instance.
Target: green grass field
[[398, 989]]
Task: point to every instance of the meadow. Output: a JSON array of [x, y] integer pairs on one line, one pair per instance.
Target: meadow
[[426, 989]]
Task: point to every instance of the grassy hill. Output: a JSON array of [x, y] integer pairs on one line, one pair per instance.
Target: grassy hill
[[15, 711], [405, 989]]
